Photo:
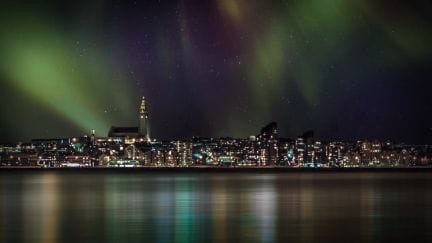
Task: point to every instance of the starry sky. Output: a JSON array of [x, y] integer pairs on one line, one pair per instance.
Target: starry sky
[[359, 69]]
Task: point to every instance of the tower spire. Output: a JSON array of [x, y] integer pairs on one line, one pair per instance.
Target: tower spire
[[144, 128]]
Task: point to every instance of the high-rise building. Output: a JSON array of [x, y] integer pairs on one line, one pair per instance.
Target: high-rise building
[[300, 150], [309, 148], [334, 153], [267, 144], [144, 126], [317, 153], [184, 151]]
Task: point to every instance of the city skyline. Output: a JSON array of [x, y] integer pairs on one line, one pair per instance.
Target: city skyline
[[347, 70], [142, 131], [133, 147], [215, 121]]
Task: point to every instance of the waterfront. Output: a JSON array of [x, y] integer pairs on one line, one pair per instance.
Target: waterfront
[[49, 206]]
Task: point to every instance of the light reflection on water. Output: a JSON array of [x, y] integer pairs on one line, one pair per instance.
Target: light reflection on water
[[132, 207]]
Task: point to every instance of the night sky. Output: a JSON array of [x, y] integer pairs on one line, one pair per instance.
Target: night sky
[[358, 69]]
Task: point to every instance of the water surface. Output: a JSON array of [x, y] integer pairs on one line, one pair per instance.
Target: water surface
[[215, 207]]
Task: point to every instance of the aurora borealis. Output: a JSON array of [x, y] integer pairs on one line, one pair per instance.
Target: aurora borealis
[[347, 69]]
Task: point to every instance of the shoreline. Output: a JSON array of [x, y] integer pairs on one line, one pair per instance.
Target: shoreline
[[214, 169]]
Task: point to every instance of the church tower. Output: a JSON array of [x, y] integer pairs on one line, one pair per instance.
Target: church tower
[[144, 126]]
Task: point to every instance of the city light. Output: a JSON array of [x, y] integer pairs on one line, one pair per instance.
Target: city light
[[132, 147]]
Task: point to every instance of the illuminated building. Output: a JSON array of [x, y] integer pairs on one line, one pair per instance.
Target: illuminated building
[[317, 153], [184, 151], [267, 142], [335, 153], [300, 149], [308, 152]]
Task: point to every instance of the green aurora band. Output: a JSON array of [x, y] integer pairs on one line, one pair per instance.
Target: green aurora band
[[76, 83], [301, 39], [286, 50]]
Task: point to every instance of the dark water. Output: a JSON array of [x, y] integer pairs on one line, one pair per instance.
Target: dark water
[[145, 207]]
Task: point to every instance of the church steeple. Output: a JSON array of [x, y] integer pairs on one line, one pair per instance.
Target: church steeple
[[144, 128]]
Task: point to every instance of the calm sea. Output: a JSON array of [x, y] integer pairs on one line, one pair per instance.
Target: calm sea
[[215, 207]]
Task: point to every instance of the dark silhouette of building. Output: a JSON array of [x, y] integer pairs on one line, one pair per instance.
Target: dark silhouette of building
[[267, 144], [142, 131]]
